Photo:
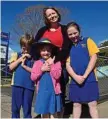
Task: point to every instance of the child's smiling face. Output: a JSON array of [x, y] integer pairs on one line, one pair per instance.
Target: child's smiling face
[[45, 52], [73, 33]]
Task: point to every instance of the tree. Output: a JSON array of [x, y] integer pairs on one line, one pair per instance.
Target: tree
[[32, 19], [103, 54], [104, 43], [104, 49]]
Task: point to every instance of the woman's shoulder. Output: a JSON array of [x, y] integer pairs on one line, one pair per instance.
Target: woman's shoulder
[[40, 33], [63, 26], [43, 28]]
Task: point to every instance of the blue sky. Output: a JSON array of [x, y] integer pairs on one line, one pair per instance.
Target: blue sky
[[92, 16]]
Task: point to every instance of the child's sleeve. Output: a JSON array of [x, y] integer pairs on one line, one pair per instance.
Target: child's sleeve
[[68, 60], [36, 70], [92, 47], [56, 70], [14, 57]]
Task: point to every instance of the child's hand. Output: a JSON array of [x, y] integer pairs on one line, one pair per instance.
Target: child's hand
[[50, 61], [26, 55], [45, 67], [23, 61], [79, 79]]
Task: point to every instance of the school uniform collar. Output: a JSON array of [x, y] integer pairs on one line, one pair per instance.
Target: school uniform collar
[[80, 39], [43, 60]]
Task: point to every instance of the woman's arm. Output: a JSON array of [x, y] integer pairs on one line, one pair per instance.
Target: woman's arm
[[62, 55], [67, 44], [40, 33]]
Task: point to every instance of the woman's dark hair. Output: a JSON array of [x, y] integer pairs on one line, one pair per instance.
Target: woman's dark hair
[[74, 24], [45, 17]]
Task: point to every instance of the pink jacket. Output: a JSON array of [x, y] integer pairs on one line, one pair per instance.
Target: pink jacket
[[55, 74]]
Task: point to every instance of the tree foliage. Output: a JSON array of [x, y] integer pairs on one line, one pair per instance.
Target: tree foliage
[[32, 19], [104, 51], [104, 43], [103, 54]]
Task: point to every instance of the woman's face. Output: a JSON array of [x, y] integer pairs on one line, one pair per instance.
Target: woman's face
[[45, 52], [52, 15], [73, 33]]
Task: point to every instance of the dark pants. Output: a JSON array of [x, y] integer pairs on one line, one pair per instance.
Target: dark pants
[[21, 97], [64, 80]]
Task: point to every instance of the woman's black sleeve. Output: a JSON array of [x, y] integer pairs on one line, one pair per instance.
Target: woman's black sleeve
[[40, 33], [62, 55]]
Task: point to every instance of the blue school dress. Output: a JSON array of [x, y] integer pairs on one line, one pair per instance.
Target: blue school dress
[[79, 59], [46, 100]]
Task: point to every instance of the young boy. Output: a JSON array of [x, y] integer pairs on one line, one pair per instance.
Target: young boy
[[22, 86]]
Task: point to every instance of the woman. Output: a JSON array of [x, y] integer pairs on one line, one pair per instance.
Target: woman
[[57, 34]]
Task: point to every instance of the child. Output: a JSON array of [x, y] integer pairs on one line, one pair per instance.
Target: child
[[81, 65], [47, 77], [22, 86]]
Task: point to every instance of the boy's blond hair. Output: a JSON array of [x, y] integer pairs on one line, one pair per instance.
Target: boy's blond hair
[[26, 40]]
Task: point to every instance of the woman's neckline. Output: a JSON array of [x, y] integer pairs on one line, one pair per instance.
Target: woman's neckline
[[54, 29]]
